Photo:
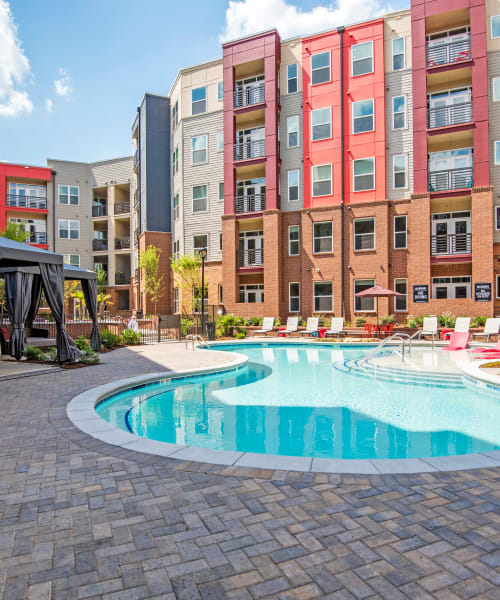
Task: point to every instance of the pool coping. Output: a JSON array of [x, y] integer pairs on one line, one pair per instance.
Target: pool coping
[[81, 412]]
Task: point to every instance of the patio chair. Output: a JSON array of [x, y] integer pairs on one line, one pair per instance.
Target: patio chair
[[429, 327], [267, 326], [386, 329], [336, 327], [369, 330], [462, 325], [311, 326], [291, 326], [458, 341], [495, 348], [491, 327]]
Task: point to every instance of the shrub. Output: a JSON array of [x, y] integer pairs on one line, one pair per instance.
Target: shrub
[[359, 321], [257, 321], [277, 322], [82, 343], [322, 320], [241, 335], [89, 357], [109, 339], [347, 324], [130, 337], [33, 353], [388, 319], [447, 319], [50, 355], [225, 323], [478, 322]]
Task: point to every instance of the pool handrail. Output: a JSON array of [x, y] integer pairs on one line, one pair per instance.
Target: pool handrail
[[395, 336], [198, 339]]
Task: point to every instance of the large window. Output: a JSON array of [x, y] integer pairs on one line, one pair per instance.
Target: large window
[[361, 303], [320, 68], [69, 229], [398, 54], [321, 124], [175, 160], [72, 259], [495, 26], [199, 149], [200, 198], [400, 232], [497, 219], [362, 116], [293, 186], [399, 112], [400, 171], [175, 206], [294, 297], [177, 249], [323, 296], [451, 287], [322, 180], [362, 59], [292, 128], [198, 100], [497, 153], [323, 237], [175, 114], [292, 78], [293, 240], [495, 88], [197, 291], [220, 90], [252, 293], [364, 174], [199, 242], [401, 302], [176, 300], [69, 194], [220, 141], [221, 190], [364, 234]]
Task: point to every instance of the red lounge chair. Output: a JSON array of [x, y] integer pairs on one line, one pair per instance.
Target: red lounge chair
[[496, 348], [458, 341]]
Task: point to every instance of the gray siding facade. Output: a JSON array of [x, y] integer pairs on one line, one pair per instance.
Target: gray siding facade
[[494, 118], [291, 158]]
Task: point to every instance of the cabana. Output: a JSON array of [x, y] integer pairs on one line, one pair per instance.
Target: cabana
[[26, 271]]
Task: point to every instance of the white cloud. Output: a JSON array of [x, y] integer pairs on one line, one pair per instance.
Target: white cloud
[[49, 105], [14, 67], [62, 85], [244, 17]]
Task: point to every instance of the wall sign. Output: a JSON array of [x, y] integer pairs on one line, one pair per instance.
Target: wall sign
[[482, 292], [420, 294]]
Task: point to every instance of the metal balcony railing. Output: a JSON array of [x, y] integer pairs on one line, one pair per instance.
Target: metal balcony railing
[[136, 158], [450, 179], [247, 150], [100, 211], [448, 53], [122, 278], [443, 116], [122, 208], [122, 243], [249, 96], [250, 203], [26, 201], [251, 258], [38, 237], [452, 243], [136, 198], [136, 237], [99, 245]]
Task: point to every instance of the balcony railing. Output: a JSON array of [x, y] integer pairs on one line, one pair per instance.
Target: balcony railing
[[443, 116], [122, 243], [453, 243], [136, 237], [38, 237], [136, 158], [448, 53], [26, 201], [251, 258], [249, 96], [250, 203], [247, 150], [136, 198], [99, 211], [122, 278], [99, 245], [122, 208], [451, 179]]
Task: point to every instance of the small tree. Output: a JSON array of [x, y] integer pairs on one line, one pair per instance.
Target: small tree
[[187, 275], [149, 263], [16, 232], [102, 277]]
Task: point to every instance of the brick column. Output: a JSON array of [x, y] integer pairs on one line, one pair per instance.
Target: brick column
[[419, 244], [272, 262], [230, 243], [482, 246]]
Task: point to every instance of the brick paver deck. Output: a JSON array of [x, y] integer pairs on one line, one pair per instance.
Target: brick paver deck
[[83, 519]]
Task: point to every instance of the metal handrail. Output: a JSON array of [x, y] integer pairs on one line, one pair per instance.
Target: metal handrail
[[448, 53], [401, 336], [454, 114], [26, 201], [201, 341], [121, 208], [249, 149], [448, 244], [250, 258], [451, 179], [99, 211], [250, 203], [250, 95]]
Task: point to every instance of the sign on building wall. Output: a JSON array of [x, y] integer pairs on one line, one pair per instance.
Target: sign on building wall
[[420, 293], [482, 292]]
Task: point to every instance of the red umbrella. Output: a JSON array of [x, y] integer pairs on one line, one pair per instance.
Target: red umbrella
[[378, 291]]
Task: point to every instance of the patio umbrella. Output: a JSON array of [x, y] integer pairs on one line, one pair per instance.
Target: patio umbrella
[[377, 291]]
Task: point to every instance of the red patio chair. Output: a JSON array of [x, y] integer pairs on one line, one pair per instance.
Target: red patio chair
[[458, 341], [386, 329], [369, 330]]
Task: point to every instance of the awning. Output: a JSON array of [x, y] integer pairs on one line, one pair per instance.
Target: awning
[[17, 253]]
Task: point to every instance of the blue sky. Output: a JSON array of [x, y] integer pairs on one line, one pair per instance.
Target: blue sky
[[70, 83]]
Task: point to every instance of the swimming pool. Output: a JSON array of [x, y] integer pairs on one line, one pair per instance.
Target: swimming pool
[[290, 400]]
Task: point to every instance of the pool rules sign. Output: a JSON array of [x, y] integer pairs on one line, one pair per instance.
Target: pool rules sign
[[482, 292]]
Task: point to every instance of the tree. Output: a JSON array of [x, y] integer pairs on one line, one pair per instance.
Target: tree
[[149, 263], [16, 232], [187, 276], [102, 277]]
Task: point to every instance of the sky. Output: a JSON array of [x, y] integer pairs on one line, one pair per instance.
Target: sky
[[72, 72]]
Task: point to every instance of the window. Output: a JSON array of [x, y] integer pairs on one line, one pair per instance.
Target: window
[[293, 240], [399, 171], [321, 124], [198, 100], [175, 114], [69, 194], [497, 153], [294, 297], [495, 26], [400, 232], [220, 294], [498, 286], [292, 128], [495, 84], [362, 304], [175, 206], [362, 59], [497, 213], [175, 161], [291, 79], [323, 237], [364, 174], [200, 198], [293, 186], [199, 149], [220, 141], [199, 242], [252, 293], [220, 90], [197, 298], [72, 259], [399, 112], [398, 54], [221, 190], [320, 68], [322, 180], [451, 287], [323, 296], [220, 241], [177, 249], [176, 300], [401, 302], [362, 116], [69, 230], [364, 234]]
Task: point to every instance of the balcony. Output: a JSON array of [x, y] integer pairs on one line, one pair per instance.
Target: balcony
[[251, 258], [136, 198], [444, 54], [122, 278], [26, 201], [249, 96], [136, 237], [100, 211], [249, 204], [37, 237], [444, 116], [450, 179], [450, 244], [136, 159], [249, 150], [99, 245], [122, 243], [122, 208]]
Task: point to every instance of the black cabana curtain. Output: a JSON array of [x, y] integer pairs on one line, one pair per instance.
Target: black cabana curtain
[[53, 286], [18, 300], [89, 287], [36, 297]]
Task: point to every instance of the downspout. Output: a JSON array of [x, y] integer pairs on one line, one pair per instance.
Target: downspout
[[139, 295], [54, 173], [340, 31]]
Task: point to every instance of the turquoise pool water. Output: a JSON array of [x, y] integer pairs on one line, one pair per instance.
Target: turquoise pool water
[[289, 400]]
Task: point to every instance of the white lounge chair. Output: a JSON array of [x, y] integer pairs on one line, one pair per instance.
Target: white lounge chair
[[292, 325], [336, 327], [311, 326], [491, 327], [462, 325], [267, 326], [429, 327]]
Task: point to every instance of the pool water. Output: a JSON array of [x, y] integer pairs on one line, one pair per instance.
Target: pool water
[[289, 400]]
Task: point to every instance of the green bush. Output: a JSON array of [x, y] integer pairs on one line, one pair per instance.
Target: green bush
[[109, 339], [241, 335], [359, 321], [277, 322], [82, 343], [257, 321], [388, 319], [447, 319], [478, 322], [89, 357], [33, 353], [347, 324], [50, 355], [130, 337], [225, 323]]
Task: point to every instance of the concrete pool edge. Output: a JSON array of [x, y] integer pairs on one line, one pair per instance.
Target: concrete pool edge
[[81, 412]]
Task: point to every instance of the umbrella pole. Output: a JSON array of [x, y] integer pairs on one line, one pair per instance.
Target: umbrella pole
[[377, 314]]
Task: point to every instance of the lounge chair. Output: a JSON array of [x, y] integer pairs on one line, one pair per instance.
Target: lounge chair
[[267, 326], [336, 327], [458, 340], [429, 327], [291, 326], [491, 327], [495, 348], [462, 325], [311, 326]]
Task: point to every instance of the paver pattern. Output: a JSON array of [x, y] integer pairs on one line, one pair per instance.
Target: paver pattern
[[83, 519]]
